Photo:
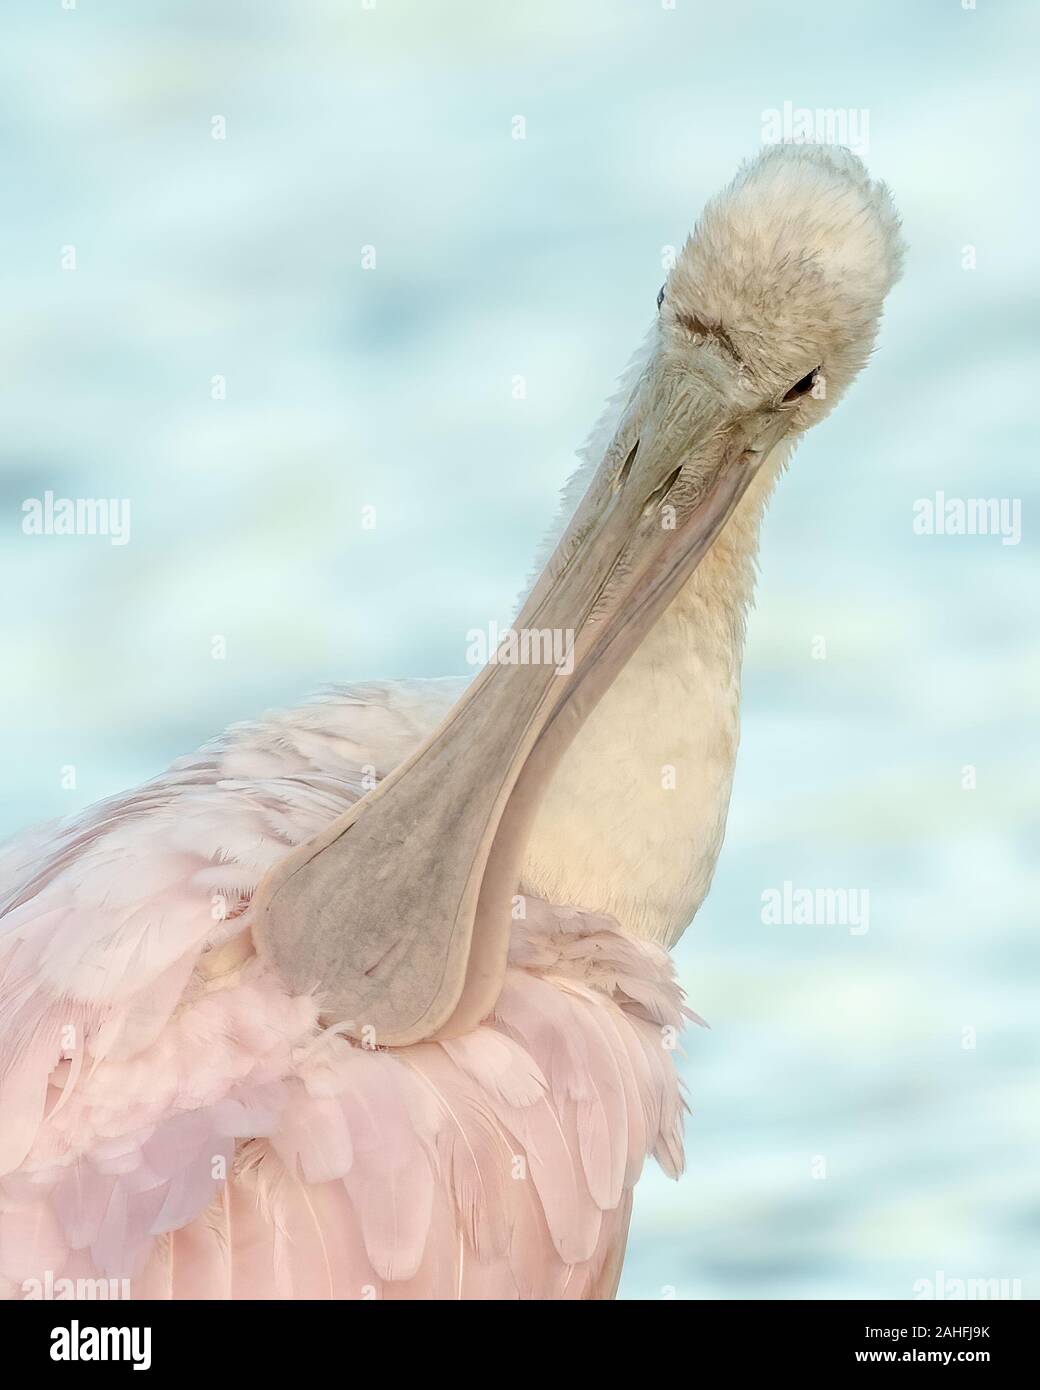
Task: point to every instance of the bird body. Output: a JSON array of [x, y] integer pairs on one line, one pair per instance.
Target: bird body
[[370, 998], [500, 1164]]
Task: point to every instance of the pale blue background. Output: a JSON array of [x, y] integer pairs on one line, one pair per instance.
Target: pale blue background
[[498, 257]]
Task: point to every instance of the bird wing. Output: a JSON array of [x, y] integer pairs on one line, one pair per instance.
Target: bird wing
[[200, 1135], [103, 916]]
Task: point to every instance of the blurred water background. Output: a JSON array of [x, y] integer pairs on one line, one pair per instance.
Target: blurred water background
[[848, 1139]]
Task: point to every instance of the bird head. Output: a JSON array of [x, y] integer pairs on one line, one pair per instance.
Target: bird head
[[777, 295], [771, 309]]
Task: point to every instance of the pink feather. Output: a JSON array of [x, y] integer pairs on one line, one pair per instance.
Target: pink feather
[[206, 1138]]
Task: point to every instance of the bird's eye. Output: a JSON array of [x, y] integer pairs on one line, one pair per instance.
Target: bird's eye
[[803, 387], [660, 297]]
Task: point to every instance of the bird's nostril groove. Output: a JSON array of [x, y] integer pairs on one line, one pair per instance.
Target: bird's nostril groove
[[661, 492], [626, 467]]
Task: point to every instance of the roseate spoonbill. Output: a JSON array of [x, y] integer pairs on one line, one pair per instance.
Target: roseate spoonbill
[[264, 1034]]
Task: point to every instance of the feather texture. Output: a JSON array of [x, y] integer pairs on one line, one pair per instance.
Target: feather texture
[[198, 1134]]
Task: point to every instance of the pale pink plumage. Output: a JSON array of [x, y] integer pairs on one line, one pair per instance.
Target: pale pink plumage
[[205, 1138]]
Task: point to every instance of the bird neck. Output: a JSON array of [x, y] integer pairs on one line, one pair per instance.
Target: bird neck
[[633, 818]]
